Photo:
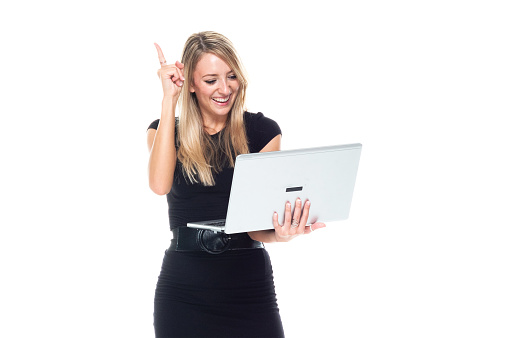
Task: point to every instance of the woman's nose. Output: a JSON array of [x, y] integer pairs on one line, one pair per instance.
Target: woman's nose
[[223, 87]]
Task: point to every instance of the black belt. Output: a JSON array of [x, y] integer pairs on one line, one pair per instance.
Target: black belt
[[189, 239]]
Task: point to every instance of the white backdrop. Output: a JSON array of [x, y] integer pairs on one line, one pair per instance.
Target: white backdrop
[[423, 85]]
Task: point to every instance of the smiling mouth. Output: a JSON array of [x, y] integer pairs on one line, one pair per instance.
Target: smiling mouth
[[222, 99]]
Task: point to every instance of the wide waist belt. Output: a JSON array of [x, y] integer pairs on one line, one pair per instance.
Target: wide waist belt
[[189, 239]]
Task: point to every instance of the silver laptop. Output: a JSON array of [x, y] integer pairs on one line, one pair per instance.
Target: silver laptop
[[264, 182]]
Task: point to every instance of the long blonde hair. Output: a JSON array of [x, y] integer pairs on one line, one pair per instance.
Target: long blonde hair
[[199, 154]]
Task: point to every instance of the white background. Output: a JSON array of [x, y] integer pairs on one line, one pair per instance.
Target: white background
[[423, 85]]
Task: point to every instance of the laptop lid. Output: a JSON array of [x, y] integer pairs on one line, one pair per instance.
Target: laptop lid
[[264, 182]]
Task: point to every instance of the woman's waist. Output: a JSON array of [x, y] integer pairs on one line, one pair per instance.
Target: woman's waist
[[190, 239]]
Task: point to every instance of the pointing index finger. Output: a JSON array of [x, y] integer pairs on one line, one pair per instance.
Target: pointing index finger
[[162, 60]]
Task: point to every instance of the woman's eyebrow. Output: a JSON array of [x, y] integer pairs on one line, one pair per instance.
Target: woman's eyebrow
[[231, 71]]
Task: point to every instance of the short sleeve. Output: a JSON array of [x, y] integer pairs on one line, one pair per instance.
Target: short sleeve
[[260, 130], [154, 125]]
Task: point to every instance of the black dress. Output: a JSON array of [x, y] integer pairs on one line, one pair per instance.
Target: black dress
[[227, 295]]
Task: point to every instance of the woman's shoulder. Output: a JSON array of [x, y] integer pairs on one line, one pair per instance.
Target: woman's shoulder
[[260, 130], [258, 121], [253, 116], [155, 124]]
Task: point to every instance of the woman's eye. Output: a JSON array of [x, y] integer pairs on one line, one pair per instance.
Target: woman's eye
[[210, 81], [232, 77]]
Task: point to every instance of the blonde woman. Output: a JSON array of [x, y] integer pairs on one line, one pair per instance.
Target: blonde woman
[[221, 287]]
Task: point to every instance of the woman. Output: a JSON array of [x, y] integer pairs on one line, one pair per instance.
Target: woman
[[199, 293]]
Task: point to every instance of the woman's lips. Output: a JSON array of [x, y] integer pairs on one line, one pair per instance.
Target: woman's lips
[[222, 101]]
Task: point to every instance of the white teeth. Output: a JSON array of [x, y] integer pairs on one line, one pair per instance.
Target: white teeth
[[222, 100]]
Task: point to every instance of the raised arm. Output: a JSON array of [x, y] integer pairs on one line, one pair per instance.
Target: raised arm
[[161, 142]]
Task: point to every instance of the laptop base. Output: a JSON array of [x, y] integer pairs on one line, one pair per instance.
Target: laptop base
[[217, 225]]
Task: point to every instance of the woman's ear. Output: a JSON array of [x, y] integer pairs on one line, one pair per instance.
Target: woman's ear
[[191, 88]]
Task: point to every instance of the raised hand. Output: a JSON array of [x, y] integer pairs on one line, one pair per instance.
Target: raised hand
[[296, 225], [172, 76]]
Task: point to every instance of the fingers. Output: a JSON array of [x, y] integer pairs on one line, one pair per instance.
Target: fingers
[[162, 60], [288, 215], [310, 228], [283, 230], [304, 217], [275, 221], [180, 70], [176, 74], [297, 214], [296, 225], [307, 229], [169, 72]]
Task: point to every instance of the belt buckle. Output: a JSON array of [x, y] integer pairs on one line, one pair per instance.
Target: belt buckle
[[212, 242]]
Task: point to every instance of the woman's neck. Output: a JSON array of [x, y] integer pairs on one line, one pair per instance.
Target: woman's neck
[[214, 125]]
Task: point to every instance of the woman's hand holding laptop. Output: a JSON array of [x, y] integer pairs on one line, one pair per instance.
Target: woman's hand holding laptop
[[296, 225]]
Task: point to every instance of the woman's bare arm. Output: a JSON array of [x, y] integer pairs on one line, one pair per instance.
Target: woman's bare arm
[[161, 142], [163, 155]]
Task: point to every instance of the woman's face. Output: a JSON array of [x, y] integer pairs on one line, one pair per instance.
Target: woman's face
[[215, 86]]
